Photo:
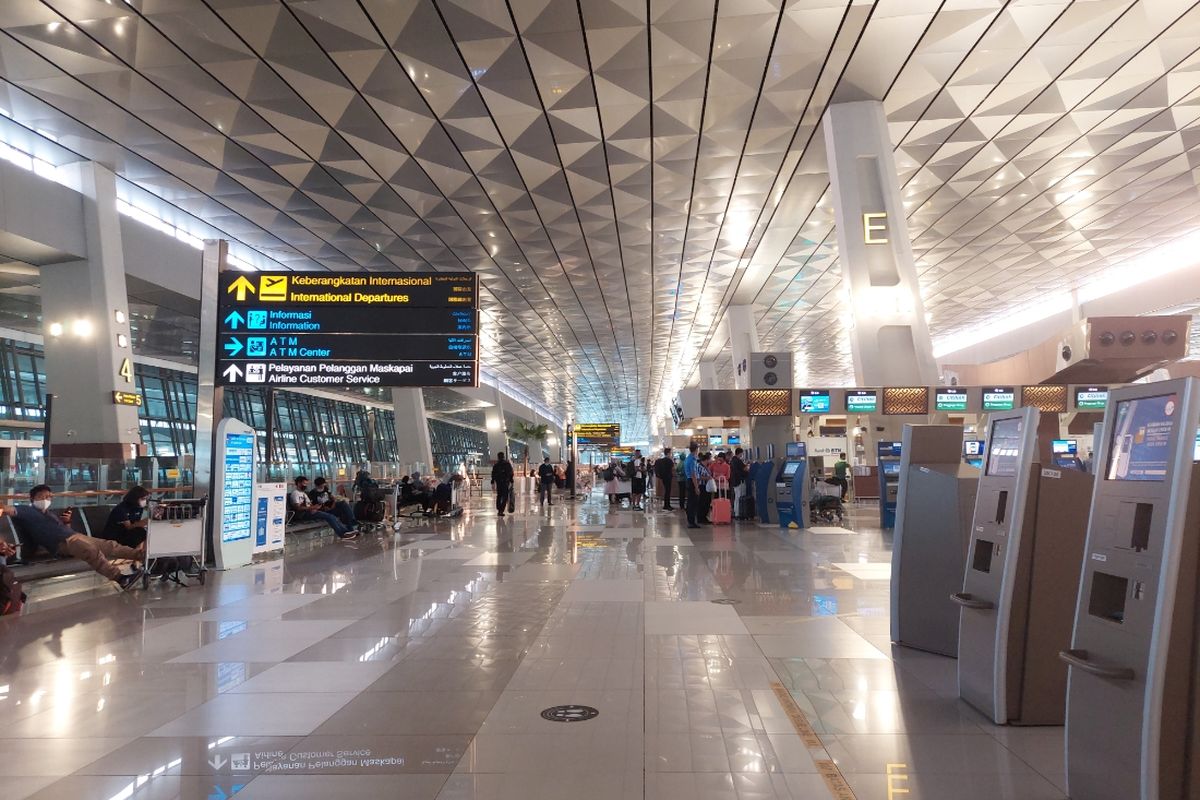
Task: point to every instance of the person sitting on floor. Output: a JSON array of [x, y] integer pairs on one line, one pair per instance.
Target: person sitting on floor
[[128, 520], [36, 524], [303, 510], [324, 500]]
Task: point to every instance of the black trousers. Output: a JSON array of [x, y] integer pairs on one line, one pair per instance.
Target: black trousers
[[666, 491], [693, 501], [502, 492]]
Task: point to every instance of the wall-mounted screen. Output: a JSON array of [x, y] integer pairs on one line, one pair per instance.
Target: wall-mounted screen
[[733, 439], [1140, 445], [862, 401], [1091, 398], [999, 398], [1004, 448], [973, 447], [1064, 447], [797, 450], [950, 399], [814, 401], [715, 440]]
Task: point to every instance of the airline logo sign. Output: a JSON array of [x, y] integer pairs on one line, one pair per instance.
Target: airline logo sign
[[348, 329]]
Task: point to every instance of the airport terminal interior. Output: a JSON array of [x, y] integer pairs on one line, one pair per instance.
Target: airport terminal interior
[[600, 399]]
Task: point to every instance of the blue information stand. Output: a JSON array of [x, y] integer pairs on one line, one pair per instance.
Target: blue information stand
[[233, 494], [791, 486]]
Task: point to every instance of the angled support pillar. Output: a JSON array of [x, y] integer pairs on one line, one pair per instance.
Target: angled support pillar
[[890, 340], [743, 340], [413, 446]]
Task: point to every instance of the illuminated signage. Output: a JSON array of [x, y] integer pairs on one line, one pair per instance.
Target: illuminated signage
[[598, 434], [950, 399], [1090, 398], [340, 330], [862, 401], [873, 224], [814, 401], [127, 398], [237, 484], [999, 398]]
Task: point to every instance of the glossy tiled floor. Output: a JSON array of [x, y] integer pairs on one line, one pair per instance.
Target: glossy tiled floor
[[416, 667]]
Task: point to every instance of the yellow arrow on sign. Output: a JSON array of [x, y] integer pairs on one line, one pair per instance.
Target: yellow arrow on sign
[[241, 286]]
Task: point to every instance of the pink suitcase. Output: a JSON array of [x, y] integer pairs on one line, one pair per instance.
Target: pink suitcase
[[722, 509]]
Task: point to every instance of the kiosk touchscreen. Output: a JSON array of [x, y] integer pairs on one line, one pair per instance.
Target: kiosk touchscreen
[[933, 515], [791, 487], [973, 452], [1021, 574], [1066, 454], [1132, 695], [888, 459]]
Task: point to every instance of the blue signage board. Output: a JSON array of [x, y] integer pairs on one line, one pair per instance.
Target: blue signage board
[[257, 319], [260, 528], [342, 346], [237, 485]]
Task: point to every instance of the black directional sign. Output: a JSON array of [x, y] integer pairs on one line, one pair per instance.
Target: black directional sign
[[334, 330]]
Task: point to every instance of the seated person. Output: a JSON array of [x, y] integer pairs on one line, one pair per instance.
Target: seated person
[[406, 491], [37, 525], [303, 510], [323, 499], [7, 550], [127, 522], [443, 495]]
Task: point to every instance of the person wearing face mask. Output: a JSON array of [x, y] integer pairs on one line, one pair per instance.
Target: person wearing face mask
[[40, 527], [127, 522]]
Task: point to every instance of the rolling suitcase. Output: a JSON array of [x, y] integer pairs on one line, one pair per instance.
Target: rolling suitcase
[[722, 510]]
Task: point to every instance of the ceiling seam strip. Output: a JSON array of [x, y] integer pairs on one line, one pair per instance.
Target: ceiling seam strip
[[692, 191]]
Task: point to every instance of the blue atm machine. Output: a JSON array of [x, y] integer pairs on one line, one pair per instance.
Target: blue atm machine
[[791, 486], [888, 459], [763, 481]]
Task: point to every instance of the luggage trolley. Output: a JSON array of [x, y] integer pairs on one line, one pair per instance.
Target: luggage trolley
[[176, 531]]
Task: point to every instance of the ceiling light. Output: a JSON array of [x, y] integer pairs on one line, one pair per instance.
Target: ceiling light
[[55, 329], [81, 328]]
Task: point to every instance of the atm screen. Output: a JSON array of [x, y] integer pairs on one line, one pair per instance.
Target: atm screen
[[1004, 448], [1064, 447], [790, 467], [891, 467], [1140, 445]]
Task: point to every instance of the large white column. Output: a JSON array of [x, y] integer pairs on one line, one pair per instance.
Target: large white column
[[708, 375], [743, 340], [85, 325], [494, 420], [890, 340], [412, 430]]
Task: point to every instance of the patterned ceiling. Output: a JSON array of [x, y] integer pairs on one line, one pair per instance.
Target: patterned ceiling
[[619, 171]]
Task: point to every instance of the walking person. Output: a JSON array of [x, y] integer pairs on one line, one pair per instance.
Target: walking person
[[545, 475], [691, 469], [502, 481], [664, 470]]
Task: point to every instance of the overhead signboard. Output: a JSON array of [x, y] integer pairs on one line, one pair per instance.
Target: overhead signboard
[[127, 398], [862, 401], [340, 330], [814, 401], [999, 398], [1091, 398], [950, 399]]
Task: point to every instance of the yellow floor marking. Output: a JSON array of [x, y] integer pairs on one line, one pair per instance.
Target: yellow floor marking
[[828, 770]]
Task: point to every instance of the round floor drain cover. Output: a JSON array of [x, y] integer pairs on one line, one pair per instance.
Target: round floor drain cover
[[570, 713], [727, 601]]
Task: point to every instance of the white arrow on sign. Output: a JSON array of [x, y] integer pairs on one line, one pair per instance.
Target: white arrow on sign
[[232, 372], [217, 762]]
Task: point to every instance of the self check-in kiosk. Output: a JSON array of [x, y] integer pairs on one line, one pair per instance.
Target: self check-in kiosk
[[791, 487], [1021, 576], [973, 453], [888, 459], [1133, 700], [933, 515], [1065, 453]]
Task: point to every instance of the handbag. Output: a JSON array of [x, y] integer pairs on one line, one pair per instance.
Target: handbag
[[711, 486]]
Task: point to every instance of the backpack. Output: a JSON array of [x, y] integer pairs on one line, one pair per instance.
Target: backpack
[[609, 474], [12, 598]]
